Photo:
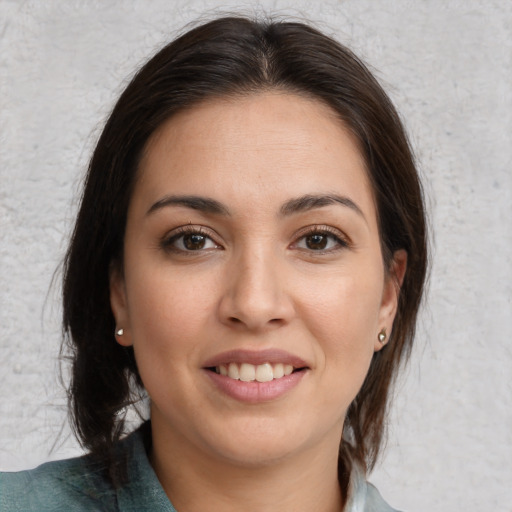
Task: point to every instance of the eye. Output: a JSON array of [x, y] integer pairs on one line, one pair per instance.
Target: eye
[[189, 239], [320, 240]]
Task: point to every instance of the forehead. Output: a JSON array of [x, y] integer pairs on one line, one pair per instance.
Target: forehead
[[227, 121], [260, 146]]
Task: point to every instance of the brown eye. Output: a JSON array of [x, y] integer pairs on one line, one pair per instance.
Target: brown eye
[[194, 241], [189, 240], [320, 241], [317, 241]]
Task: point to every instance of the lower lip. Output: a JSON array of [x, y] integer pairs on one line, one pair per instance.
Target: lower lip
[[256, 392]]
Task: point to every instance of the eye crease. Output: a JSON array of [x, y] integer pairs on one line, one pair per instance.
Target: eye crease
[[189, 239], [321, 240]]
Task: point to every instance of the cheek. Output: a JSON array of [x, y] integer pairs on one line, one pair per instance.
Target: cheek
[[168, 314], [343, 318], [345, 304], [167, 324]]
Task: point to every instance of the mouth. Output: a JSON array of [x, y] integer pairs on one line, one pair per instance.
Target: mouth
[[256, 375], [248, 372]]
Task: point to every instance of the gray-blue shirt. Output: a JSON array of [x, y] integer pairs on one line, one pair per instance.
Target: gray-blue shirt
[[73, 485]]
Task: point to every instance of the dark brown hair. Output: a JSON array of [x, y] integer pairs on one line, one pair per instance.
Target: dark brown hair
[[225, 57]]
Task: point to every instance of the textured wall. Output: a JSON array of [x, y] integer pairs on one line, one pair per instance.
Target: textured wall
[[448, 66]]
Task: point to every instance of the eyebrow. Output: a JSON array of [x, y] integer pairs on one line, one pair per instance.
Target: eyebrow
[[297, 205], [310, 202], [202, 204]]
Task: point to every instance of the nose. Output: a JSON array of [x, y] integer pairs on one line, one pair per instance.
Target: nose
[[255, 297]]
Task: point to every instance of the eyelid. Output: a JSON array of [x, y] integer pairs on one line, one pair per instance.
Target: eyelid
[[342, 239], [190, 229]]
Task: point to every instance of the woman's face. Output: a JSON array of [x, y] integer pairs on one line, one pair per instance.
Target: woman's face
[[252, 250]]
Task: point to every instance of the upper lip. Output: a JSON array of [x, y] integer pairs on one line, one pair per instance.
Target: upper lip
[[255, 357]]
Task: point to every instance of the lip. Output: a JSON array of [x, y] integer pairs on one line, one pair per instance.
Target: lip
[[255, 357], [255, 392]]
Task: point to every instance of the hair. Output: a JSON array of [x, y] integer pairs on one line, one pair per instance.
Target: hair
[[227, 57]]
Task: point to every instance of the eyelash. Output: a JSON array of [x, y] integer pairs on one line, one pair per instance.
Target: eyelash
[[340, 240], [168, 242]]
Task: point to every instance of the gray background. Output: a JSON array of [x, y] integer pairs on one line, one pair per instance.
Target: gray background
[[447, 65]]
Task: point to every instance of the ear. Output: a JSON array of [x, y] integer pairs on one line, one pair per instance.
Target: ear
[[119, 306], [392, 283]]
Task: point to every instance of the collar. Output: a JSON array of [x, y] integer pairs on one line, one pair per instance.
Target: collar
[[144, 492]]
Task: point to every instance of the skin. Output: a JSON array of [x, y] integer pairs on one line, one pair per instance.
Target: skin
[[257, 283]]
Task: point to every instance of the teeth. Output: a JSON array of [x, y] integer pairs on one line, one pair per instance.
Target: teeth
[[249, 373], [278, 371], [264, 373], [233, 372]]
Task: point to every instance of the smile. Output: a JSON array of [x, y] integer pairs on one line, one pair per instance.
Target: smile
[[255, 376], [248, 372]]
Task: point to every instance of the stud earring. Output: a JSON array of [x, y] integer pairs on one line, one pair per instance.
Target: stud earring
[[382, 335], [120, 332]]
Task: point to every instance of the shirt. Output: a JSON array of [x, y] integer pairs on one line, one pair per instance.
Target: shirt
[[73, 485]]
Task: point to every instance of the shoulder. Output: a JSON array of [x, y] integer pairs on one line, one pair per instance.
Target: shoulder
[[72, 485], [79, 485], [375, 502], [363, 496]]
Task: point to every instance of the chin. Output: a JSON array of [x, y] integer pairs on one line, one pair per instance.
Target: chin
[[263, 444], [254, 454]]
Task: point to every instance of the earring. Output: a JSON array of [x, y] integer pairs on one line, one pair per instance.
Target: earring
[[382, 335], [120, 332]]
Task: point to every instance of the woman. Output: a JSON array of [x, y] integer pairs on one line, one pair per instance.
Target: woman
[[250, 251]]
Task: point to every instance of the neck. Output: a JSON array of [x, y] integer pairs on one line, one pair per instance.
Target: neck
[[305, 482]]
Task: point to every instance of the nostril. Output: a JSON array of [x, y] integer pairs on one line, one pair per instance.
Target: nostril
[[233, 320]]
